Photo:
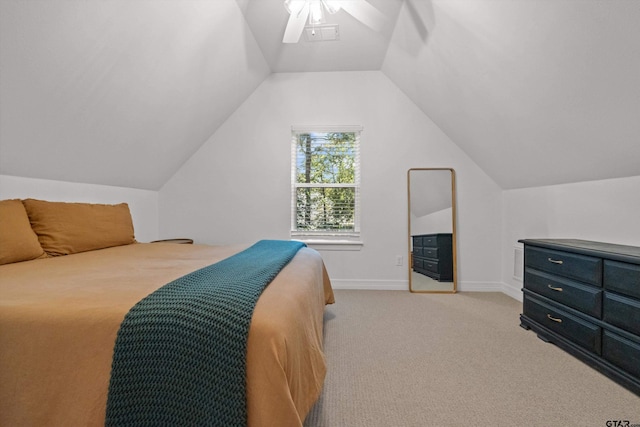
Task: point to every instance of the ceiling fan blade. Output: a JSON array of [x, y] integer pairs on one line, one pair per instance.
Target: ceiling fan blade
[[295, 25], [365, 13]]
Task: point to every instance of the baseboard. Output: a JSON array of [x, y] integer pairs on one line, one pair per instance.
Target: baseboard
[[509, 290], [380, 285], [468, 286], [514, 292], [403, 285]]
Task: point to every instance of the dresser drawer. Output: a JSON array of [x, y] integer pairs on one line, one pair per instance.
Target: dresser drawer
[[579, 331], [436, 240], [417, 263], [622, 277], [622, 312], [587, 299], [430, 265], [621, 352], [430, 240], [580, 267], [430, 253]]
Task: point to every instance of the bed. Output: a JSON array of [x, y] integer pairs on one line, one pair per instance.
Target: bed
[[59, 317]]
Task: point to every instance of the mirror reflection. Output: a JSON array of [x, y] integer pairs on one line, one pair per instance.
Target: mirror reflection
[[432, 240]]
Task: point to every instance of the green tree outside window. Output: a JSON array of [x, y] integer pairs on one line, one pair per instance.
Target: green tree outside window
[[326, 181]]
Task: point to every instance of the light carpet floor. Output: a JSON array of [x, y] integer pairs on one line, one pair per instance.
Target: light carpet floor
[[397, 359]]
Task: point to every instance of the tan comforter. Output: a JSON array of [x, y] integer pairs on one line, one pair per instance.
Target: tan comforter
[[59, 318]]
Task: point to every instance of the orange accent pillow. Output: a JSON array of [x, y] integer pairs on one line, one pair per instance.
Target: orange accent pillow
[[18, 242], [68, 228]]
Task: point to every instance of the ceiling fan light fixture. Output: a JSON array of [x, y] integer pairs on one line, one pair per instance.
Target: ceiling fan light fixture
[[316, 16], [313, 12], [294, 7]]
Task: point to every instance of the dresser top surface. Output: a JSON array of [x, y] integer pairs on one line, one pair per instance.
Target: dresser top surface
[[587, 247]]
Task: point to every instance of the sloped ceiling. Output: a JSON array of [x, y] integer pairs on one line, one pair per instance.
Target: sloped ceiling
[[359, 48], [537, 92], [118, 92], [122, 92]]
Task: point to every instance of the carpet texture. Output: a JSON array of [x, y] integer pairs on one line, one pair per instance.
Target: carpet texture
[[403, 360]]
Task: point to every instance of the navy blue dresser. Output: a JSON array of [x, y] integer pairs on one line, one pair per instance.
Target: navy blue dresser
[[584, 297], [433, 255]]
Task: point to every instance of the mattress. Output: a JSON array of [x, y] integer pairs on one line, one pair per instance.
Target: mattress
[[59, 318]]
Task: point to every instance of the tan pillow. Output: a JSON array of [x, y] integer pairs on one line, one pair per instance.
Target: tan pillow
[[18, 242], [68, 228]]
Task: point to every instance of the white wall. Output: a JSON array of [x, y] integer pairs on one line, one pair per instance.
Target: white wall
[[236, 188], [143, 204], [436, 222], [605, 211]]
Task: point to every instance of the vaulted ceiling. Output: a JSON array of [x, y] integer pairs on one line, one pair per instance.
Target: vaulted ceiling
[[118, 92], [537, 92], [358, 48], [122, 92]]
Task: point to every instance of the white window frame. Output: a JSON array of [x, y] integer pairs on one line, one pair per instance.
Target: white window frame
[[327, 240]]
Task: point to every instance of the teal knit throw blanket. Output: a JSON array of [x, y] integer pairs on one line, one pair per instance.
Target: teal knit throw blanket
[[180, 353]]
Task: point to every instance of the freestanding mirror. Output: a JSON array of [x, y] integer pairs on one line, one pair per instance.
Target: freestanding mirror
[[432, 230]]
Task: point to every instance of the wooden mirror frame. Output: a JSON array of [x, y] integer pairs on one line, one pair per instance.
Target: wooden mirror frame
[[410, 263]]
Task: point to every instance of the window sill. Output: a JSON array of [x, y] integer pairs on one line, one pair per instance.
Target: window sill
[[333, 245]]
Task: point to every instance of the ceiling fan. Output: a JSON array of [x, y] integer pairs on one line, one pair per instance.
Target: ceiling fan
[[300, 10]]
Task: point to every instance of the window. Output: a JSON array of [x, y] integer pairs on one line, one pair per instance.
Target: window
[[325, 176]]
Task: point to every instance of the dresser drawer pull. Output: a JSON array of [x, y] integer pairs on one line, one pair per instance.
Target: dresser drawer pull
[[555, 289], [554, 318], [555, 261]]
